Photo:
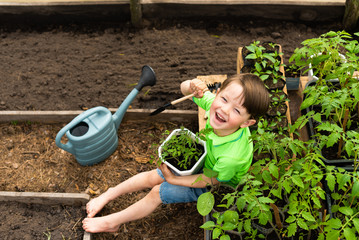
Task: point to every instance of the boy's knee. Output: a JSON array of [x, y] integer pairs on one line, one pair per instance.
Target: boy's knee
[[156, 189], [155, 193], [153, 178]]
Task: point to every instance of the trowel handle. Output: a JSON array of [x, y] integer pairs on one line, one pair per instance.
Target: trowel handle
[[68, 146]]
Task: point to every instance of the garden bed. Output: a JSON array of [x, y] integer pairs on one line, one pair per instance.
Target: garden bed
[[51, 68], [33, 163], [33, 215]]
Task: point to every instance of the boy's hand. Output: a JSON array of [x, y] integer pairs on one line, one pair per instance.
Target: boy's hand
[[198, 87], [167, 173]]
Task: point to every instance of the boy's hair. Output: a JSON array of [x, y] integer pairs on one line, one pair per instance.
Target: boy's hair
[[256, 95]]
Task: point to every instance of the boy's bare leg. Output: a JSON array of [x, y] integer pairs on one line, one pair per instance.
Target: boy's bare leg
[[138, 210], [138, 182]]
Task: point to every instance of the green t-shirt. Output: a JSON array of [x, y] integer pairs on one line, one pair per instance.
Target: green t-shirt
[[230, 156]]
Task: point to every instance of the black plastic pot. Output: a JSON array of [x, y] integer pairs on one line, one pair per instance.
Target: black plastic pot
[[292, 83], [347, 164]]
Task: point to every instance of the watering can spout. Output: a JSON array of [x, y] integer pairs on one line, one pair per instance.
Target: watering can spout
[[148, 78]]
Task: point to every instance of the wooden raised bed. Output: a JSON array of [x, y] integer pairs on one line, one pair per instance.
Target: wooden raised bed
[[68, 199]]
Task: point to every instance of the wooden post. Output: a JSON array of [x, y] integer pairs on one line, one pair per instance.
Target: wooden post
[[136, 13], [351, 14]]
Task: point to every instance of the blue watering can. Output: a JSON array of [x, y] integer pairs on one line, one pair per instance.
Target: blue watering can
[[92, 135]]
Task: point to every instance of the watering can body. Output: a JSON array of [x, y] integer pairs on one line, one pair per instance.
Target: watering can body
[[92, 135], [96, 141]]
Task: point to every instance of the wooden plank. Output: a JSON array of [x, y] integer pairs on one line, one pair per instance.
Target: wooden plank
[[67, 116], [210, 79], [193, 2], [50, 198], [251, 2], [303, 132], [61, 2]]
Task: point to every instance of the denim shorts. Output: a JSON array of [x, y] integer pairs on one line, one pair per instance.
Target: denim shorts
[[178, 194]]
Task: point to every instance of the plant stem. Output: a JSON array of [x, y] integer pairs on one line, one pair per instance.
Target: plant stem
[[344, 126], [348, 221], [276, 215]]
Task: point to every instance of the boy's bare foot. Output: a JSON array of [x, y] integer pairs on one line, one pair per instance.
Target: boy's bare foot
[[95, 205], [98, 224]]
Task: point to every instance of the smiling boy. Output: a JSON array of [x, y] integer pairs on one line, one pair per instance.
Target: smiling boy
[[235, 107]]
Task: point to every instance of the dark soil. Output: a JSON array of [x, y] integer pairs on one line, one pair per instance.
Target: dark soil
[[36, 221], [78, 66]]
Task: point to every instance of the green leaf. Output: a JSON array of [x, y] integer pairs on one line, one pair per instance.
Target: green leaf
[[267, 177], [317, 117], [225, 237], [307, 216], [287, 186], [277, 192], [356, 224], [298, 181], [333, 235], [302, 224], [335, 223], [331, 181], [349, 233], [240, 226], [228, 226], [247, 226], [343, 180], [332, 139], [205, 203], [251, 56], [346, 210], [263, 218], [292, 229], [318, 59], [208, 225], [307, 102], [241, 203], [265, 200], [355, 189], [230, 216], [216, 233], [273, 169], [290, 219]]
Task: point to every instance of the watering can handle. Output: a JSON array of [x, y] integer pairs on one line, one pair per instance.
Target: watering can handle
[[68, 146]]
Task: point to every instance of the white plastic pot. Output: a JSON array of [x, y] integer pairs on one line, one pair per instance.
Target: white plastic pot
[[197, 167], [310, 71]]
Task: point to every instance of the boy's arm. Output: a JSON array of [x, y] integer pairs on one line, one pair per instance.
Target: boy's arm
[[195, 86], [187, 181]]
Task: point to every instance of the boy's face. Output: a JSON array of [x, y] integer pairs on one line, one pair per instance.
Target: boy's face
[[227, 114]]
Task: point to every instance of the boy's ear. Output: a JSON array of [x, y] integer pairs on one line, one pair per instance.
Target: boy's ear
[[248, 123]]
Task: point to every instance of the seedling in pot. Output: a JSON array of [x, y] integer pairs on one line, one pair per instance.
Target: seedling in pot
[[183, 151]]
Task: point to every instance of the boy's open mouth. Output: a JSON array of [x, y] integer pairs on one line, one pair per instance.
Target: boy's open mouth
[[220, 118]]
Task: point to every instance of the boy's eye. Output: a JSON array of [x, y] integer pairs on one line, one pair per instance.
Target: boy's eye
[[237, 111], [224, 99]]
